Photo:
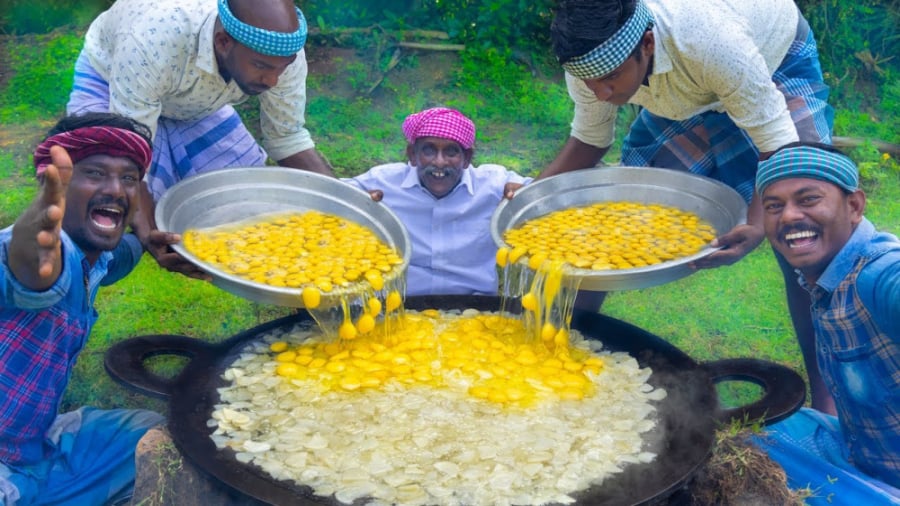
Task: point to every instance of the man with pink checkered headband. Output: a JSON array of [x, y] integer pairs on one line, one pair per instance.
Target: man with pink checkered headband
[[445, 203]]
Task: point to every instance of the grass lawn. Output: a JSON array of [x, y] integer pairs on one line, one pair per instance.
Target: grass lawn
[[736, 311]]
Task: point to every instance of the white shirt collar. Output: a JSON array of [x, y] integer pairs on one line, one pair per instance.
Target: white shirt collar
[[206, 53]]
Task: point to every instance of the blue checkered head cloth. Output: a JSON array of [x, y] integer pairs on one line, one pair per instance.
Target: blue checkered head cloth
[[613, 52], [263, 41], [808, 162]]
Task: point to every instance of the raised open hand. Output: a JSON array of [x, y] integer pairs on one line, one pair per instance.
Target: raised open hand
[[35, 251]]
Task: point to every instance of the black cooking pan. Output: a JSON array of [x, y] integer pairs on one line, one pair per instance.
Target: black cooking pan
[[687, 417]]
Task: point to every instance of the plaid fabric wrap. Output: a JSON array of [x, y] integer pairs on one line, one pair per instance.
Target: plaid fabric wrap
[[808, 162], [260, 40], [186, 148], [862, 365], [607, 57], [35, 374], [181, 148], [440, 122], [84, 142], [710, 144]]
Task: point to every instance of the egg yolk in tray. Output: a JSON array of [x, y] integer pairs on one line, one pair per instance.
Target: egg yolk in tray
[[313, 250], [607, 235], [546, 256], [344, 271]]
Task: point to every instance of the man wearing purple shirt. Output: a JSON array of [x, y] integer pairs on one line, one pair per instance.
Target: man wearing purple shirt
[[69, 242], [445, 203]]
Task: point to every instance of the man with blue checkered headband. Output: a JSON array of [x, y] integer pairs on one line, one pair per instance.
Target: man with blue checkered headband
[[721, 84], [179, 66], [813, 215]]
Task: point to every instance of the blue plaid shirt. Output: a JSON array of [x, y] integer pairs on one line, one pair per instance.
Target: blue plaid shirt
[[856, 315], [41, 335]]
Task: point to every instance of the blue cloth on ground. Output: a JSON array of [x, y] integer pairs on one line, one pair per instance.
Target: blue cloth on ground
[[810, 448], [90, 460]]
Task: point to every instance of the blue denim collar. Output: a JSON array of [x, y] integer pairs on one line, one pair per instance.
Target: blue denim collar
[[843, 263]]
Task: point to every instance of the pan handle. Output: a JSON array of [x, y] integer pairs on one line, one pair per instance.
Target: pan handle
[[124, 361], [784, 390]]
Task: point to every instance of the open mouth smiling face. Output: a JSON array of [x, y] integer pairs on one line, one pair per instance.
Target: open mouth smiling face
[[103, 225], [802, 245], [439, 163], [100, 201], [440, 181], [809, 249], [809, 221], [803, 239], [437, 173], [107, 218]]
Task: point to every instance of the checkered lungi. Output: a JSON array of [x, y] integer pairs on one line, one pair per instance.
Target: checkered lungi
[[181, 148], [710, 144]]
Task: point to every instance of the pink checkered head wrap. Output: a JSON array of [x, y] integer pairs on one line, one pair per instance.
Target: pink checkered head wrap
[[440, 122], [87, 141]]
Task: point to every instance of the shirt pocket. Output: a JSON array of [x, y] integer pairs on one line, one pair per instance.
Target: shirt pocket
[[863, 376]]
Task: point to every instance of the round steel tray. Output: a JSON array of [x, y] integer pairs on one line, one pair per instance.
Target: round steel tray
[[232, 195], [717, 204]]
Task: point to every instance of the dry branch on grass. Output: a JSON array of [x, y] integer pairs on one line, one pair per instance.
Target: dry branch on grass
[[855, 142], [739, 473], [397, 40], [412, 39]]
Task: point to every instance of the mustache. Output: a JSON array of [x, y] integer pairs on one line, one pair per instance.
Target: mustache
[[448, 169], [108, 201]]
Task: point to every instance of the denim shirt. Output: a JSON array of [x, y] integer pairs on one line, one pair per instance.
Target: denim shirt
[[41, 335], [856, 316]]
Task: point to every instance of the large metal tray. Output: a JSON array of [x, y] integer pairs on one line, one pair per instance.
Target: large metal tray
[[237, 194], [718, 204]]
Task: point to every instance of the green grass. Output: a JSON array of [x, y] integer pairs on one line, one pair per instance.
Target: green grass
[[43, 78], [734, 311], [17, 188]]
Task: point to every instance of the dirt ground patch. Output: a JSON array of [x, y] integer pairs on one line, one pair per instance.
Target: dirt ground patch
[[355, 72]]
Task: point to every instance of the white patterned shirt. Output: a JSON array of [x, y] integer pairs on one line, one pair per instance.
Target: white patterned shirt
[[713, 55], [452, 249], [158, 58]]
